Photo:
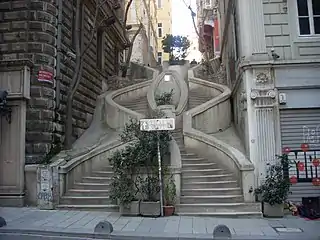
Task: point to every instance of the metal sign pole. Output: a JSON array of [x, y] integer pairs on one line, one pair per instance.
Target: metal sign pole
[[160, 175]]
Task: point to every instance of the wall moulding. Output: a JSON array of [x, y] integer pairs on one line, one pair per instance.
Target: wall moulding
[[264, 97]]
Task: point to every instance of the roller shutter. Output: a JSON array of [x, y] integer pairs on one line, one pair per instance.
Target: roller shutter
[[299, 126]]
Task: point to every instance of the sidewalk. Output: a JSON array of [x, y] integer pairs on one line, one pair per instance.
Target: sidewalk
[[82, 223]]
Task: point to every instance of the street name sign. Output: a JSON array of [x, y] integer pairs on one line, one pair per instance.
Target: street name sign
[[162, 124]]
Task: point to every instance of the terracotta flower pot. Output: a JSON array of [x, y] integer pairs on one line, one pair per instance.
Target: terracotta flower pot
[[168, 210]]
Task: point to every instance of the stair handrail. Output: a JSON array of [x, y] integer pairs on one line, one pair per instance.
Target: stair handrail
[[183, 101], [236, 158]]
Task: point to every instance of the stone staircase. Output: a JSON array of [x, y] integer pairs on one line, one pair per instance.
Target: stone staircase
[[92, 192], [196, 98], [207, 188]]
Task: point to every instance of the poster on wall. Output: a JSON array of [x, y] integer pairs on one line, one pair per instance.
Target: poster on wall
[[45, 76]]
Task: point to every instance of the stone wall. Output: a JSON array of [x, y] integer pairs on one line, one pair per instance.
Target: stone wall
[[30, 30]]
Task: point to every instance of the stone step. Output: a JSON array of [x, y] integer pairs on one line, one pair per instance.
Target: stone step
[[91, 186], [188, 155], [214, 184], [196, 166], [102, 174], [210, 191], [96, 179], [85, 200], [235, 214], [202, 172], [100, 208], [193, 160], [206, 178], [197, 101], [211, 199], [88, 192], [218, 208]]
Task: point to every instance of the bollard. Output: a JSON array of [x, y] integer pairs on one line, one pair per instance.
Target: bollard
[[221, 231], [103, 227], [2, 222]]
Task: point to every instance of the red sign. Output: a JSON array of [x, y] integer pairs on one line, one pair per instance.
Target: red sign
[[45, 76]]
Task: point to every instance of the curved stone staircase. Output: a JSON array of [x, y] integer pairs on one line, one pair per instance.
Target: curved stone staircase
[[207, 186]]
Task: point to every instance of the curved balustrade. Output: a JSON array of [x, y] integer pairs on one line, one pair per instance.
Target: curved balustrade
[[183, 100], [210, 117], [116, 115]]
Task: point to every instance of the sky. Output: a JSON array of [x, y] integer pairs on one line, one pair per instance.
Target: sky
[[182, 25], [182, 21]]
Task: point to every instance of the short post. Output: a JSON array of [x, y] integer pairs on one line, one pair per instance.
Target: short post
[[160, 175]]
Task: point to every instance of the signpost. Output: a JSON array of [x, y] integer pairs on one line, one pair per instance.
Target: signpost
[[162, 124]]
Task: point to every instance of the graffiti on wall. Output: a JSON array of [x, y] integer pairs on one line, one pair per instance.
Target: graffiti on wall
[[311, 136], [45, 196]]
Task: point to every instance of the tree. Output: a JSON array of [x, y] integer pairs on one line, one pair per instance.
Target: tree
[[177, 46], [100, 23], [125, 66], [202, 40]]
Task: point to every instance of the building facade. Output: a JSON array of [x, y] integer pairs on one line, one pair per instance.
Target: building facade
[[271, 51], [164, 26], [206, 21], [37, 62], [145, 46]]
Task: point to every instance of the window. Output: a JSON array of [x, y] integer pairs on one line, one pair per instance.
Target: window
[[159, 30], [309, 17], [100, 50], [159, 57], [159, 3]]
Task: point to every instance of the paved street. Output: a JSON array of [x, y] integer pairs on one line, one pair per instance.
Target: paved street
[[81, 224]]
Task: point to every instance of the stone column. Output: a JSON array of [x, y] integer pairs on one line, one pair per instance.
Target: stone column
[[263, 116]]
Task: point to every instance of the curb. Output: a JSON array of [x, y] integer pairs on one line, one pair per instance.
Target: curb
[[146, 236]]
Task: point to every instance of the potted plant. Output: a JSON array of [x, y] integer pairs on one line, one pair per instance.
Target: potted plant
[[150, 204], [164, 98], [135, 170], [169, 197], [274, 191], [123, 189]]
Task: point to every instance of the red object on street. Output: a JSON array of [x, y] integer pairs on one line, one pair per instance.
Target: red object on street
[[316, 162], [293, 180], [305, 147], [286, 150], [300, 166], [316, 182], [45, 76]]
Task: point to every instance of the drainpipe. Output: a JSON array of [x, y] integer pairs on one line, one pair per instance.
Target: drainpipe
[[58, 68]]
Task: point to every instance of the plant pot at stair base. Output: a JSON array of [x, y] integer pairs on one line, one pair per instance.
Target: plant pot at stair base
[[273, 211], [133, 209], [168, 210], [150, 209]]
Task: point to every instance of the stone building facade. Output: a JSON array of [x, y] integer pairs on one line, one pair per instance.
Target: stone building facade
[[42, 33], [271, 51]]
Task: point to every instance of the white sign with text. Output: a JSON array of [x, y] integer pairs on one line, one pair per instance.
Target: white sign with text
[[162, 124]]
